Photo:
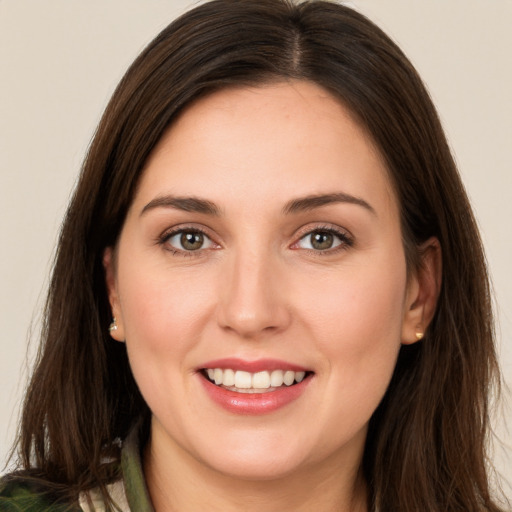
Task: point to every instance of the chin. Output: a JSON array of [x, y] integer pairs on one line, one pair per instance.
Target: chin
[[258, 456], [256, 468]]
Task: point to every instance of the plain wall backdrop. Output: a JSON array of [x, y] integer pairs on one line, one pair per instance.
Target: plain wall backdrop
[[59, 64]]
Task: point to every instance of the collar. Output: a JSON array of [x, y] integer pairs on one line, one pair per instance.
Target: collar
[[137, 494], [129, 493]]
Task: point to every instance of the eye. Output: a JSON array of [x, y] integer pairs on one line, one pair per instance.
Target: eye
[[188, 240], [323, 240]]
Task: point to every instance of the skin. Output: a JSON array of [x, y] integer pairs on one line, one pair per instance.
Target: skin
[[258, 289]]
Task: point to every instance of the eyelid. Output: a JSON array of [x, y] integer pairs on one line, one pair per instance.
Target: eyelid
[[346, 238], [166, 235]]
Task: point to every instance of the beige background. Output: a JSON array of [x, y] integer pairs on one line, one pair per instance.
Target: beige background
[[60, 61]]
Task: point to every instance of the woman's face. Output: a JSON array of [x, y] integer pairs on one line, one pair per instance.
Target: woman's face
[[263, 244]]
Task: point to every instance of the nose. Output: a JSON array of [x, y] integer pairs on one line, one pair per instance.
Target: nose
[[252, 299]]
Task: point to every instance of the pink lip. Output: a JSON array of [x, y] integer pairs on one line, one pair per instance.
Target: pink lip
[[259, 365], [253, 403]]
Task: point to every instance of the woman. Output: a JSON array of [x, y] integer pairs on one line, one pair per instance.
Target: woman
[[269, 281]]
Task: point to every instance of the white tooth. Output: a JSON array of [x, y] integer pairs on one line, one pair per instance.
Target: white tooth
[[243, 380], [289, 377], [210, 373], [217, 376], [228, 378], [276, 378], [299, 376], [261, 380]]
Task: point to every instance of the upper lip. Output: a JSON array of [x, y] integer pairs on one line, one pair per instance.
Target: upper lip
[[258, 365]]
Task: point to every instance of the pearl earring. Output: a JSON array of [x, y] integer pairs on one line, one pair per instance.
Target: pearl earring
[[113, 325]]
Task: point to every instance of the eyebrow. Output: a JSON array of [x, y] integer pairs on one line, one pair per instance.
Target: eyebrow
[[307, 203], [302, 204], [186, 204]]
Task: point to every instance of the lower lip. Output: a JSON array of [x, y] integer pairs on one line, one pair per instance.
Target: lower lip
[[254, 403]]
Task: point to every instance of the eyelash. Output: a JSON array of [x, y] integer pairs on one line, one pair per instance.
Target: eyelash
[[345, 240], [163, 240]]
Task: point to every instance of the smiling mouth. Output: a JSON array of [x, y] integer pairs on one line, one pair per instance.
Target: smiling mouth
[[260, 382]]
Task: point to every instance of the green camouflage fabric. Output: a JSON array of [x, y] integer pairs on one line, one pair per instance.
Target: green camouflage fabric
[[18, 495], [25, 496]]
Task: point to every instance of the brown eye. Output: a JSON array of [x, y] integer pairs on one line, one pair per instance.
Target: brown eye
[[188, 241], [191, 241], [323, 240]]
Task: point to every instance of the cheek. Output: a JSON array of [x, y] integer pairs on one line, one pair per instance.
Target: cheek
[[163, 316], [360, 305], [160, 307], [357, 323]]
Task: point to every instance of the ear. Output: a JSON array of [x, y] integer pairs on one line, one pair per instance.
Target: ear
[[423, 290], [113, 296]]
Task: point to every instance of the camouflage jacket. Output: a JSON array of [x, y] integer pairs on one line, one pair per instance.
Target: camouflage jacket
[[129, 493]]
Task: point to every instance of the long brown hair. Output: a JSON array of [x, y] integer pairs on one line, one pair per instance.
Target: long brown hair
[[426, 443]]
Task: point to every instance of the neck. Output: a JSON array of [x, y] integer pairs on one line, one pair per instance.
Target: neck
[[177, 482]]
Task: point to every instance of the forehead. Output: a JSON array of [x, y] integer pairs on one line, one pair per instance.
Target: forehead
[[264, 142]]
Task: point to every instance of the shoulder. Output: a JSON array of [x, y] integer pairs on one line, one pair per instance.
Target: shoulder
[[25, 495]]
